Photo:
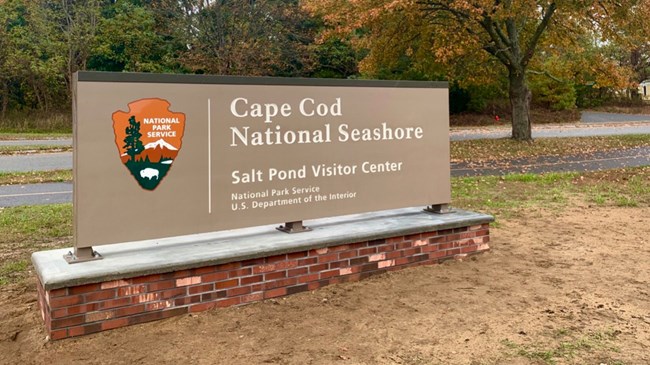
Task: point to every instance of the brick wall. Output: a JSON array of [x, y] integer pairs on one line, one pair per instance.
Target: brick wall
[[96, 307]]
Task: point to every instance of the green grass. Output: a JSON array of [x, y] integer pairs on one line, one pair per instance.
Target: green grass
[[563, 345], [542, 179], [36, 122], [24, 230], [606, 193], [9, 150], [633, 138], [34, 177], [12, 269], [504, 196], [12, 136], [506, 149], [39, 223]]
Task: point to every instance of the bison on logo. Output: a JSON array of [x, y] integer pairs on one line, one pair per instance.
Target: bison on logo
[[148, 137]]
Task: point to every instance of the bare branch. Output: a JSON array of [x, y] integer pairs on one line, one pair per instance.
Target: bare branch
[[547, 74]]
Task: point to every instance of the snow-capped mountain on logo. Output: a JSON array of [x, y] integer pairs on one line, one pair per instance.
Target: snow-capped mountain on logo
[[160, 143], [155, 151]]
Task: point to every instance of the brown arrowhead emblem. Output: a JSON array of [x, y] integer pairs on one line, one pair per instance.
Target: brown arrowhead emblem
[[148, 138]]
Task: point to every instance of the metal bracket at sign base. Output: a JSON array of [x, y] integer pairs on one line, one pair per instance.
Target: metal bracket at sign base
[[439, 209], [293, 227], [82, 255]]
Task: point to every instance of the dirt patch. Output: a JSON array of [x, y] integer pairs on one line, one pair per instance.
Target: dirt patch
[[557, 287]]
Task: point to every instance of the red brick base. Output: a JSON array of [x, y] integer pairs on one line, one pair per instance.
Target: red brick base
[[96, 307]]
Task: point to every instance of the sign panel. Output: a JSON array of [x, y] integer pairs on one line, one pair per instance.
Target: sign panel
[[167, 155]]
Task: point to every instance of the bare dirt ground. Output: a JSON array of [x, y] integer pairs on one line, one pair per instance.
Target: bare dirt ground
[[558, 287]]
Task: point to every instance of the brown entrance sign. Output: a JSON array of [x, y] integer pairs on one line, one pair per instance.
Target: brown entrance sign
[[248, 152]]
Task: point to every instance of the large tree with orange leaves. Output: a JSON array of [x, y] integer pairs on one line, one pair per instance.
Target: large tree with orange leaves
[[513, 33]]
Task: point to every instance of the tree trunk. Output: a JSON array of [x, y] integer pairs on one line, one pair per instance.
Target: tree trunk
[[520, 97], [5, 99]]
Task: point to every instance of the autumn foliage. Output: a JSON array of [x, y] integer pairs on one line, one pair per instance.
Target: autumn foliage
[[550, 52], [478, 40]]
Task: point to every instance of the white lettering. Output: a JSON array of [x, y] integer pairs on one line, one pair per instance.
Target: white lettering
[[233, 108], [309, 108], [302, 107], [383, 133], [257, 110]]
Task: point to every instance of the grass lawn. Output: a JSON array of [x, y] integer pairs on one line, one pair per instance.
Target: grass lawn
[[14, 150], [35, 177], [505, 149], [13, 136], [24, 230]]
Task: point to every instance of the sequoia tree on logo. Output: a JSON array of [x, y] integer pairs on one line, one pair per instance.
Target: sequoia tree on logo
[[148, 137]]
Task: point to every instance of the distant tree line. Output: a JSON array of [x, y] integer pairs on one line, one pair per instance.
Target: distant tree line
[[44, 42], [559, 54]]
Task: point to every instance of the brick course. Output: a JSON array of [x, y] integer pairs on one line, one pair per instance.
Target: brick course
[[90, 308]]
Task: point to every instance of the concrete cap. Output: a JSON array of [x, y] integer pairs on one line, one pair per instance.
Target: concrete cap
[[132, 259]]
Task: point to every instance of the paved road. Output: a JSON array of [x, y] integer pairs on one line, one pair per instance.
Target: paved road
[[598, 117], [35, 194], [36, 162], [37, 142]]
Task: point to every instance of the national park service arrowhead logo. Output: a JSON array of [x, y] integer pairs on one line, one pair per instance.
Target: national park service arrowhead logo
[[148, 138]]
